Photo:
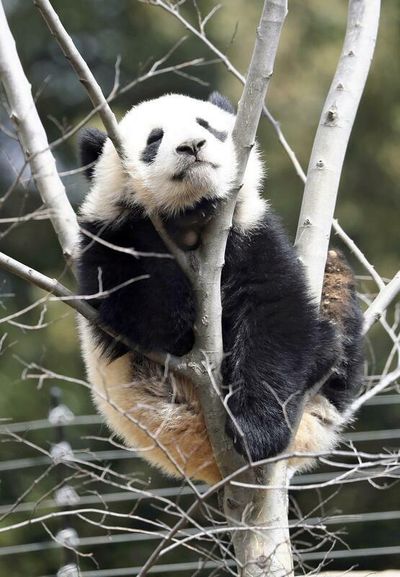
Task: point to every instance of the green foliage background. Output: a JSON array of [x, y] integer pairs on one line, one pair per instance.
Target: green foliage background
[[368, 205]]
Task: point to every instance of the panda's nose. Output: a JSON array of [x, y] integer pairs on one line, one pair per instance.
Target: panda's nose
[[190, 147]]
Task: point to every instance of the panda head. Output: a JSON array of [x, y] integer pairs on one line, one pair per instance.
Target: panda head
[[178, 151]]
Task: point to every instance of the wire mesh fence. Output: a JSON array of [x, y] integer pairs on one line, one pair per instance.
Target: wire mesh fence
[[86, 506]]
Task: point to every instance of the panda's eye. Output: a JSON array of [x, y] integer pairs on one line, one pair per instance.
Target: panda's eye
[[152, 146], [155, 135], [203, 123], [219, 134]]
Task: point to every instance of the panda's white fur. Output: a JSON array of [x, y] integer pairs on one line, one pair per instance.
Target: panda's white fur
[[159, 414]]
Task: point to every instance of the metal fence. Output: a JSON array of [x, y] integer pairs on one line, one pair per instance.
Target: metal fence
[[77, 501]]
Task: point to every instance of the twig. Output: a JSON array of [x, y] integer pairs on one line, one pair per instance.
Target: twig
[[383, 383], [83, 72], [331, 140], [382, 301], [358, 254], [34, 141], [116, 92]]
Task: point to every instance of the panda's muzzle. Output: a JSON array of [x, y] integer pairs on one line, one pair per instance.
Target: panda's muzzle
[[191, 147], [190, 156]]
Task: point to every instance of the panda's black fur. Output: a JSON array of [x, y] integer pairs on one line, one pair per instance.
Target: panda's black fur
[[276, 342]]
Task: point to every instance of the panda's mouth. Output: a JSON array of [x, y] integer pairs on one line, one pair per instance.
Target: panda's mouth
[[193, 168]]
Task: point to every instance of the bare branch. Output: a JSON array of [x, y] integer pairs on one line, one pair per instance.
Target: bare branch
[[83, 72], [257, 81], [34, 141], [358, 254], [267, 508], [382, 301], [331, 140], [214, 241], [378, 388], [80, 305]]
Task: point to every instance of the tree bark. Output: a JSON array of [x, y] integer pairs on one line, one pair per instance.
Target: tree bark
[[33, 140], [332, 137]]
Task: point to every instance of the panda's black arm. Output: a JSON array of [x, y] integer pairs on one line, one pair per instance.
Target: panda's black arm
[[272, 337], [157, 312]]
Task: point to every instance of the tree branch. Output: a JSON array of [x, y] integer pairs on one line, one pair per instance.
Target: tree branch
[[358, 254], [381, 303], [257, 552], [52, 286], [34, 141], [378, 388], [83, 72], [332, 137], [99, 101]]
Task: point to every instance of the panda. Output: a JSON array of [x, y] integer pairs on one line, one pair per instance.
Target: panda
[[180, 166]]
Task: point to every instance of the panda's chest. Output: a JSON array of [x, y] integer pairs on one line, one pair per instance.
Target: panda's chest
[[186, 228]]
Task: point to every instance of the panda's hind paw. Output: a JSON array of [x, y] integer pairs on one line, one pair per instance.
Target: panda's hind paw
[[257, 441]]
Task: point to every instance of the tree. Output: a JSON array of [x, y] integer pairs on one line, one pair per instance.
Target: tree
[[257, 551]]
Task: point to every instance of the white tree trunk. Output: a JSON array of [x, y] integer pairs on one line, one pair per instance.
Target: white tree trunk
[[331, 140], [33, 140]]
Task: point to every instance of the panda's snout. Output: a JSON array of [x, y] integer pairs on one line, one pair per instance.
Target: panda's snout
[[191, 147]]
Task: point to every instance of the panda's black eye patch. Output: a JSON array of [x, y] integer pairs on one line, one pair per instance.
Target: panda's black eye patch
[[155, 135], [152, 145], [219, 134]]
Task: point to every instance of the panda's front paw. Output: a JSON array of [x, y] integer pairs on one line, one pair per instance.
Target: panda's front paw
[[257, 439]]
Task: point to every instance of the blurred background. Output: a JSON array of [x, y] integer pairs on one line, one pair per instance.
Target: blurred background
[[46, 336]]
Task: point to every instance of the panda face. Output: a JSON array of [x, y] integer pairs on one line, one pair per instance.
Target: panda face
[[178, 151]]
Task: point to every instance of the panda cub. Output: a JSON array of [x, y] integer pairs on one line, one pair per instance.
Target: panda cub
[[180, 165]]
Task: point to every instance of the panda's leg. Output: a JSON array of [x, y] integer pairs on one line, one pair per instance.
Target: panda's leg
[[160, 418], [272, 333], [323, 419], [318, 432]]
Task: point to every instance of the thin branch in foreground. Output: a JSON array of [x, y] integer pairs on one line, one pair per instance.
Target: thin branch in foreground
[[34, 141], [95, 93], [116, 91]]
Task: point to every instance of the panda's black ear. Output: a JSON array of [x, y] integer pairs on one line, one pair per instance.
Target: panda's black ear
[[91, 142], [222, 102]]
